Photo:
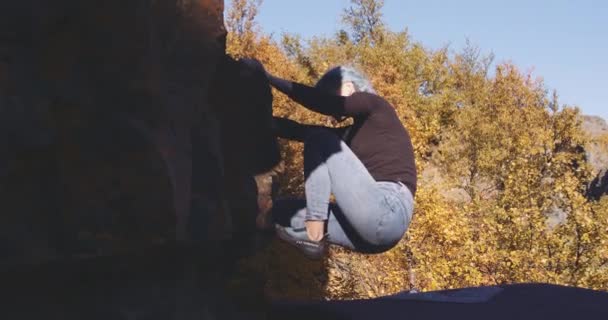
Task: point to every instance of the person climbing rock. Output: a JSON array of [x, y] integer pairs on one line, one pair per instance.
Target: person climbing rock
[[368, 166]]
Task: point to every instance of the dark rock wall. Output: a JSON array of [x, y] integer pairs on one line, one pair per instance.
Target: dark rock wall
[[123, 125]]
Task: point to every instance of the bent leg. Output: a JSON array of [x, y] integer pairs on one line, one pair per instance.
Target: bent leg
[[291, 213], [331, 167]]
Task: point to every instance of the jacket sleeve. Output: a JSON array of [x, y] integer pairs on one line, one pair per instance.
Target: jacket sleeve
[[322, 102], [292, 130]]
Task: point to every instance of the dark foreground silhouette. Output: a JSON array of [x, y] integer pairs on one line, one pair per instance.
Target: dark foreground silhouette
[[149, 286], [518, 301]]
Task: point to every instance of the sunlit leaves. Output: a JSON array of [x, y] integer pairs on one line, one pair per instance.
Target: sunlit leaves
[[505, 201]]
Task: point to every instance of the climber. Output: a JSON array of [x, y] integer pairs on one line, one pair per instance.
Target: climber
[[368, 166]]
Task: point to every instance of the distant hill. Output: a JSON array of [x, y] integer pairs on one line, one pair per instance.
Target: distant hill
[[595, 125], [597, 152]]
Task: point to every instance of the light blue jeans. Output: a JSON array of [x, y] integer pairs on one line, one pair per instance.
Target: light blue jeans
[[368, 216]]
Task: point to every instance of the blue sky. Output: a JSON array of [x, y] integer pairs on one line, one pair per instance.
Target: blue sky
[[564, 42]]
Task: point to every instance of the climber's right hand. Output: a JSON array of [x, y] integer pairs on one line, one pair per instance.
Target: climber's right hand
[[254, 65]]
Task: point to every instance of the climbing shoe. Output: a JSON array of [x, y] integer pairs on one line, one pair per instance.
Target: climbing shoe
[[298, 238]]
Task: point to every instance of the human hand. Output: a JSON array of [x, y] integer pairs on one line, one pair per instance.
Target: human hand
[[315, 229], [254, 65]]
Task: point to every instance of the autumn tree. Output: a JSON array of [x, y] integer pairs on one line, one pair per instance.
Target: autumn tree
[[502, 170], [242, 27], [364, 19]]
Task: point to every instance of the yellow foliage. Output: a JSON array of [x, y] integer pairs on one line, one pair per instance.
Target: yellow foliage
[[500, 139]]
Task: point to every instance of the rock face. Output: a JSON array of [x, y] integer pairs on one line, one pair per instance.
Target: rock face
[[117, 117], [124, 128], [597, 154], [595, 126]]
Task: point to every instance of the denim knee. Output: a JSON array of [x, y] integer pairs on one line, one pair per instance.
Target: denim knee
[[391, 228], [391, 225]]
